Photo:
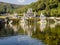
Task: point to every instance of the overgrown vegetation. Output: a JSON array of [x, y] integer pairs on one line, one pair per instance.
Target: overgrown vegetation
[[6, 8], [48, 7]]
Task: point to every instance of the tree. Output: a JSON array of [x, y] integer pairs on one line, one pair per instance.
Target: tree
[[41, 6]]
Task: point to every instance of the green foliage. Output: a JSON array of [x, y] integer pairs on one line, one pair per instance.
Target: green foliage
[[47, 5], [51, 7], [41, 6], [8, 8]]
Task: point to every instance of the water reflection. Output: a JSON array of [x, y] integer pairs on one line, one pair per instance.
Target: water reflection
[[42, 26], [27, 28], [53, 25], [44, 32], [8, 30], [49, 33], [14, 27]]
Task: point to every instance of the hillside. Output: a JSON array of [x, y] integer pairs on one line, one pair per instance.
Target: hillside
[[8, 8], [47, 7]]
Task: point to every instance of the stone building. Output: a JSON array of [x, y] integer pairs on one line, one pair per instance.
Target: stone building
[[30, 13]]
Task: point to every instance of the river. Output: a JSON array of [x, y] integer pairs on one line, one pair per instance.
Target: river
[[30, 34]]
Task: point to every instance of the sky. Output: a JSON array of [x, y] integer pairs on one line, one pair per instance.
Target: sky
[[19, 1]]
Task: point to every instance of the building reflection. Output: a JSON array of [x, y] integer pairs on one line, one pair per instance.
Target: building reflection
[[12, 27], [42, 26], [27, 28], [53, 25]]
